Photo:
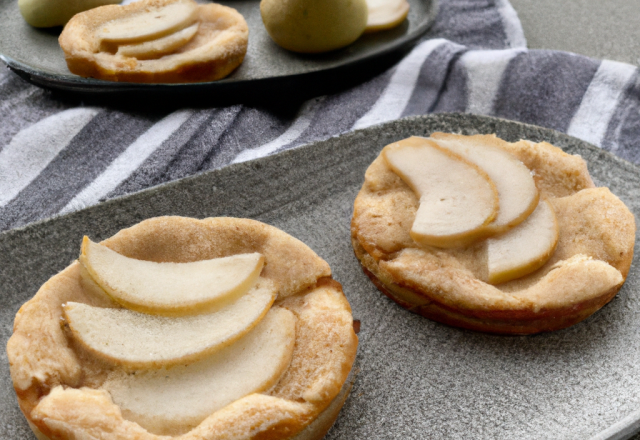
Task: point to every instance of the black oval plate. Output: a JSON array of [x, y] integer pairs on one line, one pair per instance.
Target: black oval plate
[[35, 55]]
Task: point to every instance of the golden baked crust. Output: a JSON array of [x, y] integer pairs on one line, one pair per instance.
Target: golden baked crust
[[218, 47], [58, 383], [589, 265]]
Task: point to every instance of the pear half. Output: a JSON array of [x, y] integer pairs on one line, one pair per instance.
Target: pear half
[[525, 248], [48, 13], [314, 26], [162, 46], [173, 401], [386, 14], [516, 187], [457, 198], [139, 340], [149, 25], [170, 288]]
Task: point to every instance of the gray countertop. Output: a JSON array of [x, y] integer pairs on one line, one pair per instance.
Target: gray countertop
[[609, 30], [599, 29]]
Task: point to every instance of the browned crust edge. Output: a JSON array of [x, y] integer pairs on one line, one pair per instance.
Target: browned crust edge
[[549, 320], [316, 430], [212, 70]]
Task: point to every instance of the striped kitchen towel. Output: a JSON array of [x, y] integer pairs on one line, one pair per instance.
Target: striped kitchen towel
[[57, 157]]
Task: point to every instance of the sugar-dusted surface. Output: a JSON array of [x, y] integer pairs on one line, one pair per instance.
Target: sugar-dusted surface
[[417, 379]]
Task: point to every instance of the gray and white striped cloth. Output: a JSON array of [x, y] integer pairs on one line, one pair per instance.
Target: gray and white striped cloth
[[56, 157]]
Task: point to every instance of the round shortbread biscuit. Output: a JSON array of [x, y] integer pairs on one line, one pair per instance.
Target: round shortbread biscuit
[[588, 267], [58, 383], [213, 52]]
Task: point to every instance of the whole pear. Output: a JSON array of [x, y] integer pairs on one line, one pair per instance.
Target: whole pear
[[312, 26], [48, 13]]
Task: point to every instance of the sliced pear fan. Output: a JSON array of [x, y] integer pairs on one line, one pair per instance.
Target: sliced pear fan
[[183, 396], [386, 14], [145, 341], [516, 188], [457, 198], [149, 25], [161, 46], [170, 288], [524, 248]]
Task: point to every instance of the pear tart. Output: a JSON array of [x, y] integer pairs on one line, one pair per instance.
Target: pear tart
[[476, 232], [156, 41], [207, 329]]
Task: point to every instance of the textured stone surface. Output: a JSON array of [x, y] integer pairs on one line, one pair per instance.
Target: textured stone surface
[[599, 29], [418, 379]]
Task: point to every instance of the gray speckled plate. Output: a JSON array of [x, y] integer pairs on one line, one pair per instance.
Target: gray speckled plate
[[418, 379], [35, 55]]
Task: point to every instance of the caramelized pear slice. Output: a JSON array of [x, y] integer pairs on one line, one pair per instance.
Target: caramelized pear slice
[[150, 24], [525, 248], [177, 399], [170, 288], [162, 46], [386, 14], [457, 198], [138, 340], [516, 187]]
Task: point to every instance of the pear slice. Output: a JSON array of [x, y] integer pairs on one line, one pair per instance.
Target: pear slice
[[385, 14], [457, 198], [516, 187], [149, 25], [172, 401], [525, 248], [138, 340], [170, 288], [162, 46]]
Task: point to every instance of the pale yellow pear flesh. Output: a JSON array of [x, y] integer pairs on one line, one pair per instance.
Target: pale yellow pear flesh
[[313, 26], [457, 198], [161, 46], [48, 13], [524, 248], [138, 340], [386, 14], [149, 25], [172, 401], [170, 288], [516, 188]]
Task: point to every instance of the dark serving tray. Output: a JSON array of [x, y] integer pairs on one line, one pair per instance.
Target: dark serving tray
[[35, 55]]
